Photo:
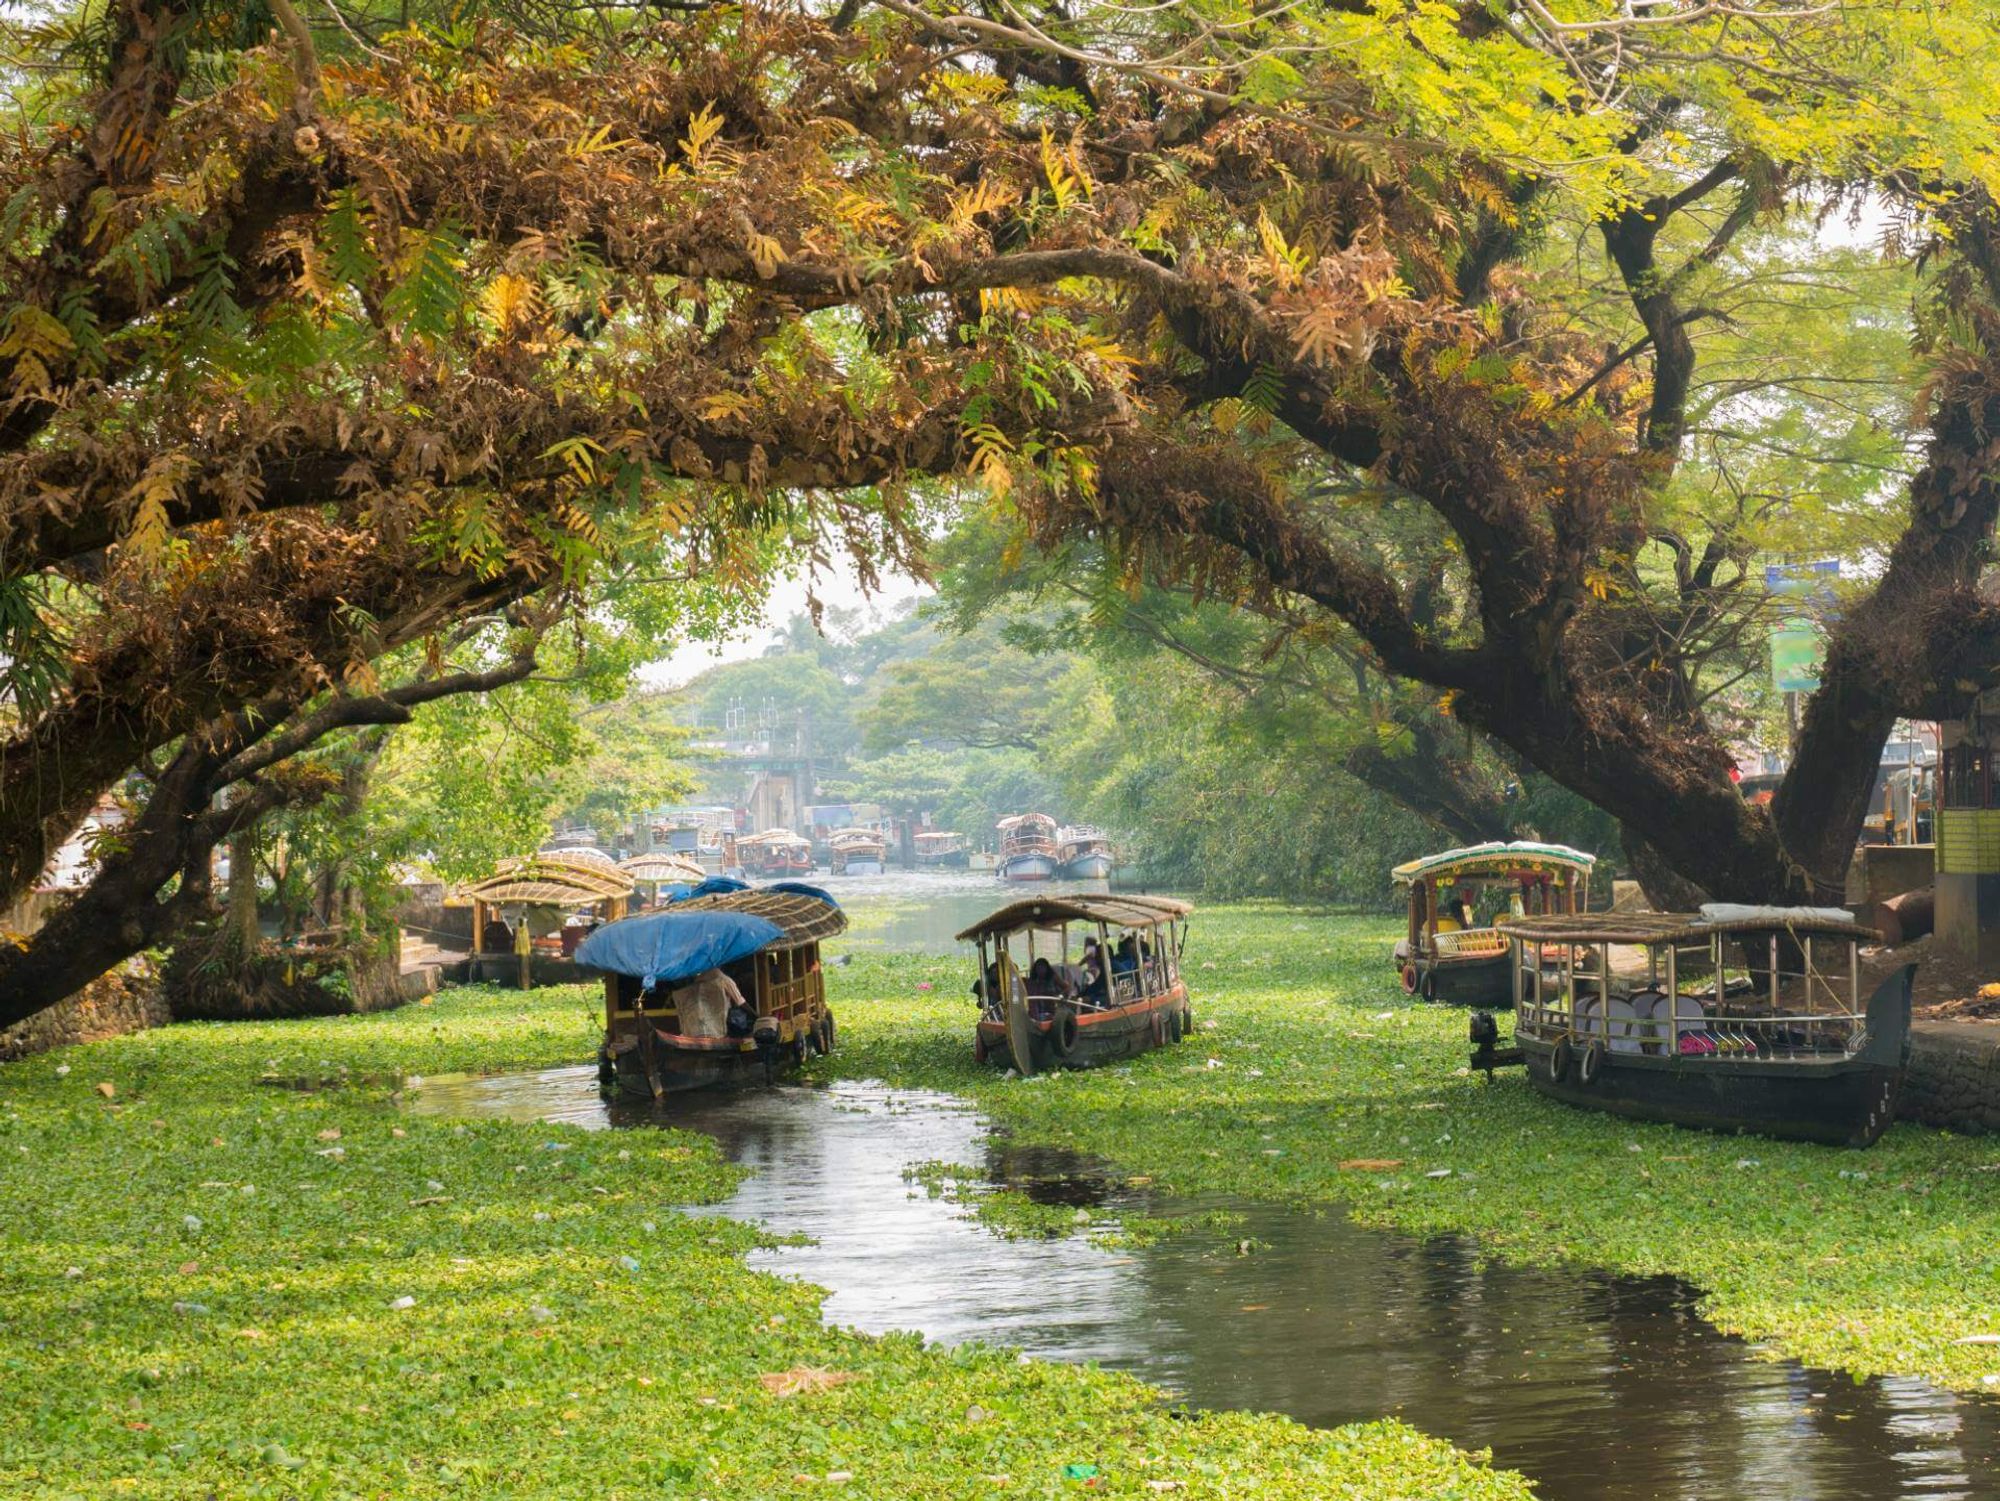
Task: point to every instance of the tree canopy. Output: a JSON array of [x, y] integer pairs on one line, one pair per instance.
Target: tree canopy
[[1488, 343]]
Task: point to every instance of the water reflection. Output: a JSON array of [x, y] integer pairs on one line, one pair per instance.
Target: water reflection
[[924, 911], [1600, 1388]]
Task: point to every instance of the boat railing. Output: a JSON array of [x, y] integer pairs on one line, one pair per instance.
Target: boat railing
[[1470, 942], [1681, 1005]]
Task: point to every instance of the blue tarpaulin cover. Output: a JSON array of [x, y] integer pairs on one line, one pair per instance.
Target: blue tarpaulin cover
[[800, 888], [713, 886], [674, 946]]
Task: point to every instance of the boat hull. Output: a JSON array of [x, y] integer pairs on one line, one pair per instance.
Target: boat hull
[[683, 1065], [1095, 867], [951, 860], [870, 867], [1028, 868], [1101, 1036], [1838, 1102], [1470, 981]]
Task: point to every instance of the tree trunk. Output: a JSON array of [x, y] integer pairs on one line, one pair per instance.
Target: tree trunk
[[241, 920]]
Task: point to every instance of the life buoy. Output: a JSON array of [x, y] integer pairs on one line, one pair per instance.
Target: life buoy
[[1559, 1060], [1063, 1032], [1591, 1064], [1411, 980]]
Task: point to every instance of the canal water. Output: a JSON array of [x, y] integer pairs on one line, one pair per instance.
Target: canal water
[[1599, 1388]]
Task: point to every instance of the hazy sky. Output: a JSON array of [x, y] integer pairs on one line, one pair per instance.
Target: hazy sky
[[838, 589]]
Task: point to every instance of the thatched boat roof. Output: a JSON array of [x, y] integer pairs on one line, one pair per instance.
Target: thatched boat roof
[[1500, 857], [550, 881], [1681, 927], [1053, 911], [660, 866], [804, 919]]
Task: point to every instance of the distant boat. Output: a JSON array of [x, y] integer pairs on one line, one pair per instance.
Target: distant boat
[[1083, 853], [856, 852], [775, 852], [941, 849], [1027, 847]]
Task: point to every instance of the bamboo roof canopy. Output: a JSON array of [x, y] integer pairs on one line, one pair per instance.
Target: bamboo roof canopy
[[578, 854], [1498, 858], [773, 836], [545, 881], [1049, 912], [660, 866], [932, 836], [804, 919], [846, 837], [1686, 927]]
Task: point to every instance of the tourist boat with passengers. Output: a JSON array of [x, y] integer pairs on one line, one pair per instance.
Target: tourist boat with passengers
[[941, 849], [766, 939], [856, 852], [1083, 853], [1731, 1019], [1460, 904], [1048, 1001], [1027, 847], [775, 853]]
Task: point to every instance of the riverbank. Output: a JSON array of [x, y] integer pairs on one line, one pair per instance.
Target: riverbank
[[1313, 1079], [210, 1286]]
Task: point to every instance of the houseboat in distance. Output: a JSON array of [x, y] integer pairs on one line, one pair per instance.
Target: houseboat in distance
[[1027, 847], [775, 853], [857, 852], [941, 849], [1083, 853]]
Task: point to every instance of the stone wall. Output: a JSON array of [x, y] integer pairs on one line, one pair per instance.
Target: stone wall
[[1954, 1077], [126, 1000]]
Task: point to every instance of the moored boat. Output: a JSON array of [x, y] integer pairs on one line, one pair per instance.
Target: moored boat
[[659, 1037], [1083, 853], [1027, 847], [856, 852], [1460, 904], [775, 852], [1734, 1019], [1051, 997], [941, 849]]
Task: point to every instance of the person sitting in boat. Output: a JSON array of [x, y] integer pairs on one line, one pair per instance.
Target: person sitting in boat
[[704, 1004], [1043, 979], [989, 985], [1125, 958], [1093, 986]]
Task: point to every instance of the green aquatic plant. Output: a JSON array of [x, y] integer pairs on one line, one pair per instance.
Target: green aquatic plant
[[213, 1287], [1311, 1078]]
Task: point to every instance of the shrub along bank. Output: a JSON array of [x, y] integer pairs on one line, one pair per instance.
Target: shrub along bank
[[210, 1287], [1312, 1078]]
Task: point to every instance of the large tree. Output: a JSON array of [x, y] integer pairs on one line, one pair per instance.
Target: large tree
[[315, 345]]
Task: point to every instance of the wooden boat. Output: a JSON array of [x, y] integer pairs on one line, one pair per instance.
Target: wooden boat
[[941, 849], [1460, 904], [1733, 1019], [1083, 853], [1039, 1017], [664, 872], [1027, 847], [775, 852], [857, 852], [766, 940]]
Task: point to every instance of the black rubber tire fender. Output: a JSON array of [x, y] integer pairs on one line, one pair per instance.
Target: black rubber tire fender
[[1173, 1026], [1591, 1064], [826, 1032], [1063, 1031], [1560, 1060]]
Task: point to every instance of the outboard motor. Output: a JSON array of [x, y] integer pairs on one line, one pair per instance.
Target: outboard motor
[[1484, 1034]]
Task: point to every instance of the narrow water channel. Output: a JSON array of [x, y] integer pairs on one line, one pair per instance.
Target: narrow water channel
[[1600, 1388]]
